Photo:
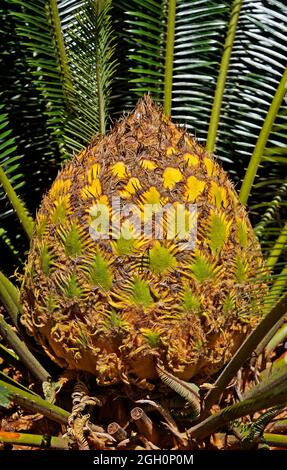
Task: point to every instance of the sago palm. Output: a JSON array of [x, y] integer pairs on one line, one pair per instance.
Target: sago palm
[[148, 334]]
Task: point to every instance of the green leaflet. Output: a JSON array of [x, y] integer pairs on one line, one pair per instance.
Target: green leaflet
[[202, 269], [161, 259], [140, 293], [72, 242], [100, 274], [217, 232]]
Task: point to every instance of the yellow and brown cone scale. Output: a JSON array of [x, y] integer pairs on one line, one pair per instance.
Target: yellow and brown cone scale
[[113, 307]]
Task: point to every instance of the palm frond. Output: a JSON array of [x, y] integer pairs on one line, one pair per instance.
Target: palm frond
[[200, 30], [271, 228], [221, 80], [271, 213], [257, 64], [143, 34], [188, 391], [7, 158], [68, 11], [277, 312], [36, 150], [12, 254], [252, 129], [9, 164], [163, 62], [90, 46], [277, 290], [169, 53], [263, 138], [39, 30], [271, 392], [278, 248]]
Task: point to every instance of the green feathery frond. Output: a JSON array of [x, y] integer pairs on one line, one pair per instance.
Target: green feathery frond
[[262, 139], [9, 246], [277, 289], [190, 302], [188, 391], [9, 166], [269, 229], [140, 293], [169, 52], [68, 11], [201, 268], [257, 63], [218, 230], [7, 173], [250, 344], [39, 30], [71, 287], [200, 30], [252, 127], [9, 160], [37, 151], [17, 204], [145, 35], [169, 44], [279, 246], [271, 212], [72, 242], [161, 259], [221, 80], [90, 47]]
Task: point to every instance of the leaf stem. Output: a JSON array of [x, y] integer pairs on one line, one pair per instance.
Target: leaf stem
[[22, 351], [11, 381], [62, 55], [9, 356], [221, 80], [274, 205], [18, 206], [34, 440], [276, 440], [230, 413], [59, 37], [101, 99], [100, 6], [245, 351], [168, 76], [262, 140], [12, 290], [277, 249], [278, 337], [276, 290], [8, 303], [34, 403]]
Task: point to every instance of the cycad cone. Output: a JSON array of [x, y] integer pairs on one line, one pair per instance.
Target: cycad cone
[[114, 307]]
